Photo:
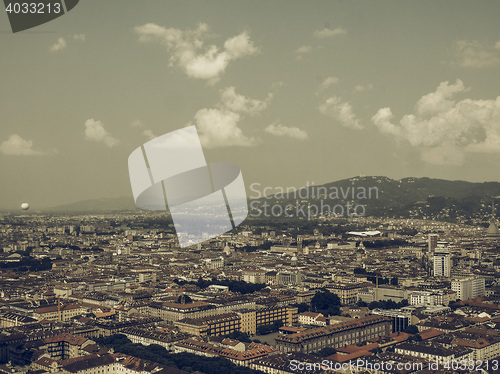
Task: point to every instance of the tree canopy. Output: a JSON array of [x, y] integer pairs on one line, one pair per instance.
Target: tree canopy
[[326, 303]]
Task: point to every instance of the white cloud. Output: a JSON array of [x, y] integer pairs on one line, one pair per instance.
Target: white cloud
[[361, 88], [341, 111], [190, 53], [438, 101], [149, 134], [328, 33], [137, 123], [219, 127], [382, 119], [475, 54], [95, 131], [443, 128], [17, 146], [301, 51], [239, 103], [329, 81], [59, 45], [292, 132], [80, 37]]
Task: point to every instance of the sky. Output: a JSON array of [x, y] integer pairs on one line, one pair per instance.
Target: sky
[[293, 92]]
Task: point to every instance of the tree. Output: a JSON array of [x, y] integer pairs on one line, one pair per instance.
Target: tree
[[326, 303], [267, 329], [241, 336], [325, 352], [302, 307], [411, 329], [362, 304]]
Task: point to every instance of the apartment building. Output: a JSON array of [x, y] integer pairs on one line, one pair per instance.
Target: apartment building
[[335, 336], [222, 324], [469, 288]]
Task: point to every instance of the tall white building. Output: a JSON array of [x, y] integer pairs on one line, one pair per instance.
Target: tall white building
[[469, 288], [442, 264]]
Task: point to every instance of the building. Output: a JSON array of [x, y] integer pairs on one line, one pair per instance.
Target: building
[[254, 276], [492, 232], [11, 319], [384, 292], [400, 319], [435, 352], [213, 263], [432, 242], [432, 297], [158, 337], [171, 312], [347, 292], [469, 288], [58, 312], [485, 346], [66, 346], [442, 264], [222, 324], [309, 318], [338, 335], [92, 364], [285, 278]]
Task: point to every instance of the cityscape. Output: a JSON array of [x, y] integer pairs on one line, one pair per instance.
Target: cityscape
[[250, 187], [80, 292]]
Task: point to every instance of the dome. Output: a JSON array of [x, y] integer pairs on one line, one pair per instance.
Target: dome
[[493, 229]]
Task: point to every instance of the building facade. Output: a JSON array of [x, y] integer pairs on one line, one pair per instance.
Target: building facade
[[335, 336]]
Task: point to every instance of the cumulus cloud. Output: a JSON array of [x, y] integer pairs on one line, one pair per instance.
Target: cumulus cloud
[[329, 81], [301, 51], [189, 51], [474, 54], [17, 146], [80, 37], [95, 131], [361, 88], [219, 127], [444, 128], [149, 134], [341, 111], [328, 32], [59, 45], [239, 103], [292, 132]]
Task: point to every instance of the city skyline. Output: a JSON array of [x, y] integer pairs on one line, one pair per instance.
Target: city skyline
[[288, 92]]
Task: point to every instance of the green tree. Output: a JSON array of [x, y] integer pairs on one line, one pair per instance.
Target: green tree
[[326, 303], [325, 352], [411, 329]]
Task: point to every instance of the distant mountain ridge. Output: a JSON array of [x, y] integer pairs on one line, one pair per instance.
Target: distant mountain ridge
[[112, 204], [407, 198], [404, 198]]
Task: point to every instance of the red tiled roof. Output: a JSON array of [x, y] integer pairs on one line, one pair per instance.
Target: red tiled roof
[[68, 338], [430, 333]]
